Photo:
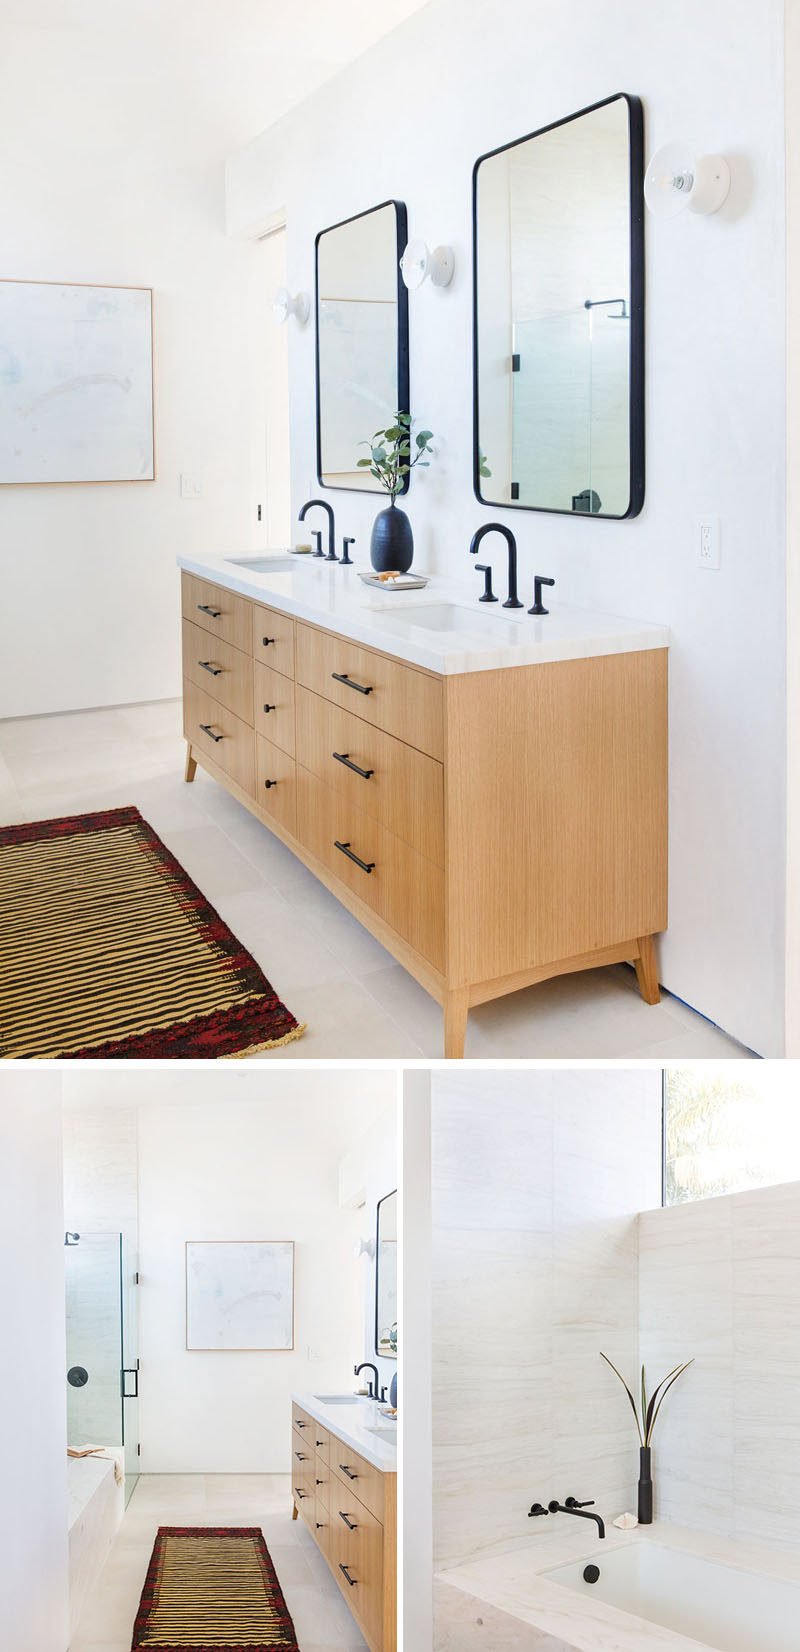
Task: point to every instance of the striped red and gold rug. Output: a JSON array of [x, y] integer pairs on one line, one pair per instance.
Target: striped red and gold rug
[[109, 950], [209, 1588]]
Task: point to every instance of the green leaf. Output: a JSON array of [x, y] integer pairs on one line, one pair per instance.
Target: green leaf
[[627, 1391], [393, 433], [361, 462], [376, 474], [423, 437]]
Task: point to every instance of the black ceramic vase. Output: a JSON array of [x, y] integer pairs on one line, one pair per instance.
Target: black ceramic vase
[[391, 547], [645, 1488]]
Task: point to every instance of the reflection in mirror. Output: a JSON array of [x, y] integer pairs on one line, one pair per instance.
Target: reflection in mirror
[[362, 340], [386, 1279], [559, 314]]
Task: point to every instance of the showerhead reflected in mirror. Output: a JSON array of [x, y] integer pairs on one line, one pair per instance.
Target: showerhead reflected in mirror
[[559, 317], [362, 341]]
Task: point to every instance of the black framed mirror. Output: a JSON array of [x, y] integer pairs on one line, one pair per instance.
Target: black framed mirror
[[386, 1278], [362, 340], [558, 316]]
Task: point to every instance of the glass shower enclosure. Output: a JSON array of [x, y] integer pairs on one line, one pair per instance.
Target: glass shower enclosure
[[102, 1346]]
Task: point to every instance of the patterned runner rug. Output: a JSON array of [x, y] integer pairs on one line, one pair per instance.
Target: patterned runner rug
[[212, 1587], [108, 949]]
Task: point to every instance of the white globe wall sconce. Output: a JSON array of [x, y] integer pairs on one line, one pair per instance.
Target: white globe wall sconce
[[419, 264], [677, 179], [284, 306]]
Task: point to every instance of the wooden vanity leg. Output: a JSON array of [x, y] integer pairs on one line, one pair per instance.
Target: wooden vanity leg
[[189, 774], [645, 966], [456, 1009], [294, 1511]]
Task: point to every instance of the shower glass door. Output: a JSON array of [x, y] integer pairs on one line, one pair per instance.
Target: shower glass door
[[102, 1357]]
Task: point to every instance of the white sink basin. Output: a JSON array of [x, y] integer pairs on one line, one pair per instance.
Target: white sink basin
[[265, 564], [446, 617], [386, 1432], [340, 1399]]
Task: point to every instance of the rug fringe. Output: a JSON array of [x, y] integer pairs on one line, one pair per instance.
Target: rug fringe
[[272, 1044]]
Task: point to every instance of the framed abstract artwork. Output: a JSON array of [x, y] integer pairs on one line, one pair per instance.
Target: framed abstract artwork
[[240, 1295]]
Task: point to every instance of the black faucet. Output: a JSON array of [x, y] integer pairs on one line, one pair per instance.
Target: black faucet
[[512, 600], [572, 1506], [374, 1389], [323, 503], [538, 606]]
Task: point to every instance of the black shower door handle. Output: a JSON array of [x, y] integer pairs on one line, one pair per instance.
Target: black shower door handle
[[130, 1371]]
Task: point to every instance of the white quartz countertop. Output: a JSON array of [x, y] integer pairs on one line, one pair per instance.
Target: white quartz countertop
[[465, 635], [354, 1423], [513, 1582]]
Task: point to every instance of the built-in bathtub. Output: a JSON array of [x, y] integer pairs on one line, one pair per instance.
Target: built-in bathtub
[[96, 1504], [659, 1587]]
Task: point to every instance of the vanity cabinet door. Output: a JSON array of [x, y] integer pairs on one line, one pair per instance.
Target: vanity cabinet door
[[405, 889], [217, 610], [272, 639], [357, 1537], [395, 697], [357, 1478], [394, 783], [219, 669], [275, 784], [217, 733], [273, 706]]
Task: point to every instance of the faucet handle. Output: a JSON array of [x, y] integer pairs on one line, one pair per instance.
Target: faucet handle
[[345, 556], [316, 533], [537, 1508], [572, 1503], [488, 593], [538, 605]]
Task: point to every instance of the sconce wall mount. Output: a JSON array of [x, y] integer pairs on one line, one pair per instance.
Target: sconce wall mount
[[677, 179], [418, 264], [283, 306]]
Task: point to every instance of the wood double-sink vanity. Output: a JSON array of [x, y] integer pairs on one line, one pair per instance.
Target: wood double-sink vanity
[[487, 795], [348, 1500]]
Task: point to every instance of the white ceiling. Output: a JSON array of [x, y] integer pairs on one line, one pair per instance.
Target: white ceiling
[[237, 65]]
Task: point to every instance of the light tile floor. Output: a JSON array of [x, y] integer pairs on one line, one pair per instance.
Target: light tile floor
[[357, 1002], [321, 1619]]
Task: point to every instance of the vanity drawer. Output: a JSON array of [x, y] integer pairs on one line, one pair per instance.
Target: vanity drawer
[[275, 784], [356, 1556], [322, 1478], [404, 789], [355, 1478], [219, 669], [273, 691], [230, 743], [303, 1491], [322, 1440], [302, 1456], [393, 696], [301, 1419], [273, 639], [404, 888], [220, 612]]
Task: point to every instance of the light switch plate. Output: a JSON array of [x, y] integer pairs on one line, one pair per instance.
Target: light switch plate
[[190, 487], [708, 541]]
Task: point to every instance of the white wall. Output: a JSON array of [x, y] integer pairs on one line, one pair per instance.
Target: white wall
[[109, 175], [537, 1181], [720, 1282], [366, 1174], [33, 1504], [247, 1158], [416, 1369], [715, 399]]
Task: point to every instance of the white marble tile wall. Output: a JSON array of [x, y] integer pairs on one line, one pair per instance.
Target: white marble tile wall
[[720, 1281], [537, 1181]]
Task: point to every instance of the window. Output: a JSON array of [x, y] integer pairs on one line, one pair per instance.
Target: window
[[725, 1131]]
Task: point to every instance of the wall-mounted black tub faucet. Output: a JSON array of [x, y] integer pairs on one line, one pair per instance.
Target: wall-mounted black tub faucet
[[512, 600], [572, 1506], [538, 606], [323, 504]]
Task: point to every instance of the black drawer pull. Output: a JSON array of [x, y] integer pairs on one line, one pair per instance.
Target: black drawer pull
[[320, 1442], [301, 1455], [299, 1493], [267, 640], [210, 732], [216, 670], [348, 1472], [319, 1525], [351, 1525], [268, 783], [342, 677], [366, 866], [301, 1425], [344, 757], [319, 1482], [351, 1580], [270, 708], [213, 613]]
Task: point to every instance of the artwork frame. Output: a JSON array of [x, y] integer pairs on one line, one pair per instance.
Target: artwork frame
[[132, 427], [223, 1310]]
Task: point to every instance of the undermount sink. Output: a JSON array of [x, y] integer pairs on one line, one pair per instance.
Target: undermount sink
[[443, 617], [340, 1399], [387, 1431], [265, 564]]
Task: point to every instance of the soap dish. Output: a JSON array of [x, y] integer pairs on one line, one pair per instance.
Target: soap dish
[[395, 581]]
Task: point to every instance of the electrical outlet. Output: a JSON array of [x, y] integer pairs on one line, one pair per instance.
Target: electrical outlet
[[708, 542], [190, 487]]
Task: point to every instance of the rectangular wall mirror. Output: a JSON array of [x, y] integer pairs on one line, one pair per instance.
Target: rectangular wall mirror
[[362, 340], [558, 225], [386, 1278]]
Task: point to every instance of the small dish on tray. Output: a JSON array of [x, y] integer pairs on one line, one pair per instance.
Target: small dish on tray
[[394, 581]]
